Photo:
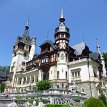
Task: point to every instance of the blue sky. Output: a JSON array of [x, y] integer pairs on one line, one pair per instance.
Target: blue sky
[[83, 17]]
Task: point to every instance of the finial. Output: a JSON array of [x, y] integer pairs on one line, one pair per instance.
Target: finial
[[47, 35], [97, 45], [62, 19], [27, 24], [62, 13], [83, 36]]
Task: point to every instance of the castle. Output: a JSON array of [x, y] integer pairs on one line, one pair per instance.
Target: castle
[[64, 65]]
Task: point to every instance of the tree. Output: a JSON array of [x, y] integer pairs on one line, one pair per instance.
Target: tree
[[103, 99], [105, 58], [2, 87], [44, 85], [4, 68], [93, 102]]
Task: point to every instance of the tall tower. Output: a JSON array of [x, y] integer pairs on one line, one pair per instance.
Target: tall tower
[[23, 50], [62, 45]]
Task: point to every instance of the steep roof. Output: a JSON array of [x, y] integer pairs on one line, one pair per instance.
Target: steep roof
[[94, 55], [79, 48], [47, 42]]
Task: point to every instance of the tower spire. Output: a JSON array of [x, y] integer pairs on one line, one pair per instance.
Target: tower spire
[[62, 13], [26, 37], [27, 24], [83, 36], [62, 19], [101, 57], [97, 45]]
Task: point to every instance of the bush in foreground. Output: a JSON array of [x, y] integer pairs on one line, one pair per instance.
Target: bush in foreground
[[93, 102], [103, 98]]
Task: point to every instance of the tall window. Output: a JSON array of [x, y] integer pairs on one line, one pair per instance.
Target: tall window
[[57, 74], [66, 74], [45, 76]]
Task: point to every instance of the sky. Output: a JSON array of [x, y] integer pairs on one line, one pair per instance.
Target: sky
[[86, 19]]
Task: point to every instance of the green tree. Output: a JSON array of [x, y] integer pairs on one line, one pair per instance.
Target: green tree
[[102, 97], [44, 85], [4, 68], [105, 58], [93, 102], [2, 87]]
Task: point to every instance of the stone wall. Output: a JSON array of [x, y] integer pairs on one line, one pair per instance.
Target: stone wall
[[89, 88]]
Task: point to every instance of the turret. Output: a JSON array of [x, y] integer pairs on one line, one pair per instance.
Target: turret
[[102, 60], [21, 51], [62, 34], [62, 46]]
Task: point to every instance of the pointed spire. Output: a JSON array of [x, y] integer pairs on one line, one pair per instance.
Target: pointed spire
[[97, 45], [62, 19], [26, 37], [62, 14], [83, 36], [102, 59], [47, 37], [98, 49], [27, 24]]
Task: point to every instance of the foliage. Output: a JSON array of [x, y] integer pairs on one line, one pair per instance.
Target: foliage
[[19, 97], [30, 100], [2, 87], [57, 105], [93, 102], [105, 58], [44, 85], [4, 68], [37, 102], [103, 98]]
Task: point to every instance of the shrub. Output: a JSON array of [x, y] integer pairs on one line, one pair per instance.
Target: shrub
[[2, 87], [37, 102], [19, 98], [30, 100], [102, 97], [93, 102], [44, 85]]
